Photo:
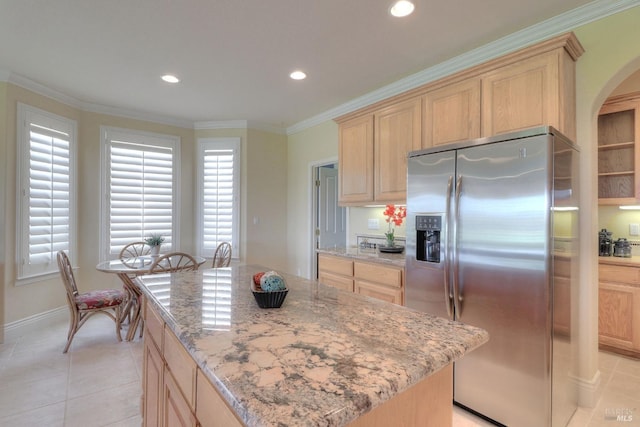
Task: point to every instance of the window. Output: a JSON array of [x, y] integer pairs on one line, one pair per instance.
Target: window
[[46, 191], [218, 194], [140, 182]]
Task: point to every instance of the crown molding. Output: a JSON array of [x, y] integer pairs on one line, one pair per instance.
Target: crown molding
[[536, 33], [43, 90], [136, 115], [239, 124]]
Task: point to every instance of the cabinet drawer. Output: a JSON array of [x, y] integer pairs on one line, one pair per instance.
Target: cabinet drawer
[[619, 274], [390, 276], [381, 292], [337, 265], [181, 366], [153, 324], [340, 282]]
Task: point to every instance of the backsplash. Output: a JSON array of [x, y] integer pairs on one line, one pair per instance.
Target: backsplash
[[359, 225]]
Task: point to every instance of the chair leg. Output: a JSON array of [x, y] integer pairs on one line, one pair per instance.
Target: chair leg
[[73, 328], [118, 321]]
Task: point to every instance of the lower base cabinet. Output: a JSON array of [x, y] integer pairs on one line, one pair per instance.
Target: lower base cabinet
[[619, 308], [176, 393], [376, 280]]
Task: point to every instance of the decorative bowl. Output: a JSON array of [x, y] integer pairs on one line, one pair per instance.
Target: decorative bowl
[[268, 299]]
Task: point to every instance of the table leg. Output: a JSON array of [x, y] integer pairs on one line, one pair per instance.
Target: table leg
[[133, 305]]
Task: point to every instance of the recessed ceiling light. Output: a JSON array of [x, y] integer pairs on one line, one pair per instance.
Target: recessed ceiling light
[[170, 78], [298, 75], [402, 8]]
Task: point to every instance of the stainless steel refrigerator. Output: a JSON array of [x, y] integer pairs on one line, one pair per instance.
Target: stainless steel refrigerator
[[492, 242]]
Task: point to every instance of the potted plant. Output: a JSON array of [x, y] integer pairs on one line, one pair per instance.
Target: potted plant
[[155, 241], [394, 216]]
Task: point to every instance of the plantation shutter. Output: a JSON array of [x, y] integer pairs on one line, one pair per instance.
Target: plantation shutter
[[218, 198], [45, 211], [141, 193]]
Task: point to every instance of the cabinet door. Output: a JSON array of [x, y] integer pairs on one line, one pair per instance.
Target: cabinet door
[[618, 154], [616, 307], [521, 95], [398, 130], [181, 365], [355, 166], [211, 409], [452, 113], [152, 378], [177, 412]]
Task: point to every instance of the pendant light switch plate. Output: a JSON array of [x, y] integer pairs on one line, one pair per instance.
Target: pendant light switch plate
[[373, 224], [634, 229]]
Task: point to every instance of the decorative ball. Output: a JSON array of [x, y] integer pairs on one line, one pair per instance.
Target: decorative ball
[[257, 277], [272, 282]]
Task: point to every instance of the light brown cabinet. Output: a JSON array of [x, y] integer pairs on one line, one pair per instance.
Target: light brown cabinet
[[397, 131], [619, 308], [372, 153], [530, 93], [452, 113], [336, 272], [377, 280], [175, 391], [355, 165], [618, 153], [534, 86]]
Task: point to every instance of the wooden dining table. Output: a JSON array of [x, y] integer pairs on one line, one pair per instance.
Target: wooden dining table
[[127, 269]]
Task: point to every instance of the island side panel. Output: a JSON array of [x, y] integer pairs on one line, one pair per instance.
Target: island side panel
[[427, 404]]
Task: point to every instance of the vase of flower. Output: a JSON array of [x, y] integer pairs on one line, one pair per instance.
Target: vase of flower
[[394, 217], [155, 242]]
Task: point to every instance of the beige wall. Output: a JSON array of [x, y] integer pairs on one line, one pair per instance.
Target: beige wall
[[265, 236], [3, 202], [307, 148], [611, 55], [264, 169], [30, 299]]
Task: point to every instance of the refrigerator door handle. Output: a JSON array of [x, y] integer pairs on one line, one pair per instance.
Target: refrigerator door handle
[[447, 286], [457, 298]]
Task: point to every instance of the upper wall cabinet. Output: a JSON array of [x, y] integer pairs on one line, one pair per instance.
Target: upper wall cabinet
[[397, 131], [537, 91], [452, 113], [355, 165], [531, 87], [618, 153]]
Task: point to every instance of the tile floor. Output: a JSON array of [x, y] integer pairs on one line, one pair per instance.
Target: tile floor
[[98, 382]]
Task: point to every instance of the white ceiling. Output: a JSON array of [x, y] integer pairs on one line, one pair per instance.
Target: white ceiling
[[234, 56]]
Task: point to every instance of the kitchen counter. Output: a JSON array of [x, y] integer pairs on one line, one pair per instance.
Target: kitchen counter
[[634, 261], [367, 254], [325, 358]]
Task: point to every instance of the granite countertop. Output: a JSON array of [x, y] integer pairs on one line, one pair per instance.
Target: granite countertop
[[367, 254], [323, 359]]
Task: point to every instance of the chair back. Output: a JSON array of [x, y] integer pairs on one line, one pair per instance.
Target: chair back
[[174, 261], [66, 272], [222, 256], [135, 249]]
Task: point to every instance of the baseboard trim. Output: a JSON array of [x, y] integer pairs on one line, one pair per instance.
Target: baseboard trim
[[588, 390], [14, 330]]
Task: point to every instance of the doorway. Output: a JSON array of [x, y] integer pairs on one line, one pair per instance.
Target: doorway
[[329, 219]]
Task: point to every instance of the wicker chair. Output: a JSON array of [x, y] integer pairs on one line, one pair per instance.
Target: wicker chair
[[83, 306], [135, 249], [174, 261], [222, 256]]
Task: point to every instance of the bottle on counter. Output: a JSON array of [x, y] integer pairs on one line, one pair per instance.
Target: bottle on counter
[[606, 242], [622, 248]]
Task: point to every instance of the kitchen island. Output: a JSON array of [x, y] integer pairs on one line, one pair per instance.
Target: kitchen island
[[325, 358]]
